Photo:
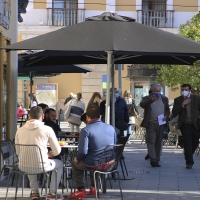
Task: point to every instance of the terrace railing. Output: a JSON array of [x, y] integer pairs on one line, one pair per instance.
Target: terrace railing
[[64, 16], [156, 18]]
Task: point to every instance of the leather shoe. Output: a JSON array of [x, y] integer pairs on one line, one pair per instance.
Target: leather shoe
[[189, 166], [147, 157], [155, 164]]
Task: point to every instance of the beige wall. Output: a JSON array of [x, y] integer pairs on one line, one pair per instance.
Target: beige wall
[[184, 4], [40, 4], [92, 82], [174, 94], [93, 4], [125, 81], [120, 3], [67, 83]]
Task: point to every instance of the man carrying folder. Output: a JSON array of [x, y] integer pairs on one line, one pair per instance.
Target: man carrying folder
[[156, 113]]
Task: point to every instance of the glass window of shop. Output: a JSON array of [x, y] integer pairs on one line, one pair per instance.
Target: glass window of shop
[[141, 89]]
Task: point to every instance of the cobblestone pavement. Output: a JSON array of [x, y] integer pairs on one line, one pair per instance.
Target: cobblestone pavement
[[171, 181]]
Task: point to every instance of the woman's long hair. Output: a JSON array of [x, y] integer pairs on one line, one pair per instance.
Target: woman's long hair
[[127, 94], [96, 98]]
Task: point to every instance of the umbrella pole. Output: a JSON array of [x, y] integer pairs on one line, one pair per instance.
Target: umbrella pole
[[31, 81], [113, 94], [109, 63]]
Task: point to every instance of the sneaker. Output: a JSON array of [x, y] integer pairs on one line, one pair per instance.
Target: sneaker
[[35, 195], [53, 196], [128, 142], [92, 191], [78, 194]]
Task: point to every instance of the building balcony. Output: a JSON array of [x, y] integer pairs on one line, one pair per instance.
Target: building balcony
[[156, 18], [140, 70], [64, 16]]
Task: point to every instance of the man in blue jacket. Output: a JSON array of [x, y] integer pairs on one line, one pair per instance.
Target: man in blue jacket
[[121, 112], [92, 141]]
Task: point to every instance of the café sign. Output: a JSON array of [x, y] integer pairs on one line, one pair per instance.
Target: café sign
[[5, 12]]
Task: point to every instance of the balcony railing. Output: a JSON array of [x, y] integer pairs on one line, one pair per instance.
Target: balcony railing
[[64, 16], [156, 18]]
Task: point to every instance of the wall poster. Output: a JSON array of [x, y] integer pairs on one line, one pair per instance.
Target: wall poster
[[48, 94]]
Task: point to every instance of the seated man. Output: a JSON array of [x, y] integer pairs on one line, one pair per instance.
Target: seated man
[[43, 106], [50, 120], [92, 141], [35, 132]]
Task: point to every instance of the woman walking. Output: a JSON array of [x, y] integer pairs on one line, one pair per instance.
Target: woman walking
[[132, 115], [95, 100], [77, 108]]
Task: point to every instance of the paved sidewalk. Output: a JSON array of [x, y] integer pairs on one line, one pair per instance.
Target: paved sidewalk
[[171, 181]]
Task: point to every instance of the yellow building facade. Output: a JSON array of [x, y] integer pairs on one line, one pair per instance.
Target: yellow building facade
[[8, 70], [163, 14]]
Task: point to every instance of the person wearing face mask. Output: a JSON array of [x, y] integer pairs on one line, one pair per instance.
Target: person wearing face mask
[[154, 105], [187, 107], [121, 112]]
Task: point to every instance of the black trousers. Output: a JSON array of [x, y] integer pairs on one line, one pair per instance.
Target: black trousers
[[191, 141]]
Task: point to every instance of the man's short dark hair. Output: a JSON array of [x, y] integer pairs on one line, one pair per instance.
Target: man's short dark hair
[[186, 85], [43, 105], [93, 112], [47, 111], [36, 112]]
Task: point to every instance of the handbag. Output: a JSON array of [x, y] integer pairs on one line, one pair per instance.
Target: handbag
[[68, 110], [132, 110]]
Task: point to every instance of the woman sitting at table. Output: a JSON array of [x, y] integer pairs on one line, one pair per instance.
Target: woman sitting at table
[[20, 111]]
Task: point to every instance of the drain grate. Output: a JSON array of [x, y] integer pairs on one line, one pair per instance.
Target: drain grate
[[138, 172]]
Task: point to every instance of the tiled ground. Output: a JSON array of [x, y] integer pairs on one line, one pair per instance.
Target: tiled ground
[[171, 181]]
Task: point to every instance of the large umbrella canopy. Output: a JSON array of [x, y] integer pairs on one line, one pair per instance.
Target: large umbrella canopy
[[54, 57], [121, 38], [46, 69], [110, 32]]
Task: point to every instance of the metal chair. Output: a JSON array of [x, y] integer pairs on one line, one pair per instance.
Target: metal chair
[[123, 141], [30, 162], [173, 134], [22, 120], [9, 156], [108, 164]]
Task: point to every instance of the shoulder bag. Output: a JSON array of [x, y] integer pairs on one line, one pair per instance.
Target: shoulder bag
[[68, 110]]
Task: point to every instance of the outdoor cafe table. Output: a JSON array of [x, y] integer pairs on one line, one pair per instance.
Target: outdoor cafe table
[[68, 135]]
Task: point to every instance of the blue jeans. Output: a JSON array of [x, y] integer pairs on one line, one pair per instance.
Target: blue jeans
[[129, 131]]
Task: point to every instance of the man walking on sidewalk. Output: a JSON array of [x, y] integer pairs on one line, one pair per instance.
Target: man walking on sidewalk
[[155, 106], [187, 107]]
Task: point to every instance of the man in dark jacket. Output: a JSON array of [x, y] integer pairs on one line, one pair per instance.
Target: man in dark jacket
[[50, 120], [121, 112], [187, 107], [155, 105]]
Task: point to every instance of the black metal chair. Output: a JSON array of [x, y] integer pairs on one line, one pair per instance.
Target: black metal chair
[[30, 162], [9, 156], [108, 164], [22, 120], [123, 141]]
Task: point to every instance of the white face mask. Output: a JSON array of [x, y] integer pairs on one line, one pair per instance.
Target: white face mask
[[185, 93]]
